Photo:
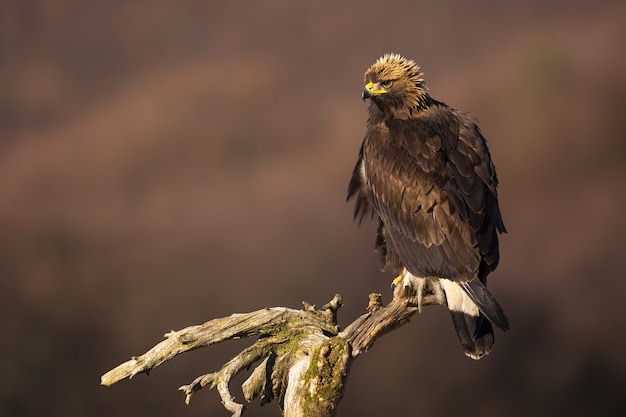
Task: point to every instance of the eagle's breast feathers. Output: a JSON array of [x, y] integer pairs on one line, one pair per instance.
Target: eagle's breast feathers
[[425, 180]]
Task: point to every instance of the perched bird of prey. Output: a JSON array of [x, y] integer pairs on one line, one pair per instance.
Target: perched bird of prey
[[425, 173]]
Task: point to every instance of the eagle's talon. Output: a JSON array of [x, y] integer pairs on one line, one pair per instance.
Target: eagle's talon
[[396, 281]]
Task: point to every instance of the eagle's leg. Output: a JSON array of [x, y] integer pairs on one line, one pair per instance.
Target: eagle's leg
[[407, 285], [418, 290]]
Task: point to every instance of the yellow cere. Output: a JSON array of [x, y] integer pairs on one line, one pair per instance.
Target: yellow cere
[[374, 89]]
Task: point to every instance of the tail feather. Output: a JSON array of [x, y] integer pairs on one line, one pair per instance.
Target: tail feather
[[473, 309], [475, 333], [486, 303]]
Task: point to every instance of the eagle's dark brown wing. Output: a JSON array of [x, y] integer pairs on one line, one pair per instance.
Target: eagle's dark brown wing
[[431, 181]]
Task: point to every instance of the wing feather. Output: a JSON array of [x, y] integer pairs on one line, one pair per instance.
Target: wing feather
[[431, 181]]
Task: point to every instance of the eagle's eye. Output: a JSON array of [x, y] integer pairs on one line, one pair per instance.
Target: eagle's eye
[[386, 83]]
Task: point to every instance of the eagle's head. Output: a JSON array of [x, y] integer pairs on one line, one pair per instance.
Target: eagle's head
[[395, 84]]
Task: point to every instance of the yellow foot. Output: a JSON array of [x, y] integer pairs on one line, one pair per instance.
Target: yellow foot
[[397, 280]]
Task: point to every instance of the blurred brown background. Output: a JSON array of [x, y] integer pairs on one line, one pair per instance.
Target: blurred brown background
[[164, 163]]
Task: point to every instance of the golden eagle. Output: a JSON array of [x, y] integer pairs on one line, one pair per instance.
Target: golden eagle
[[425, 172]]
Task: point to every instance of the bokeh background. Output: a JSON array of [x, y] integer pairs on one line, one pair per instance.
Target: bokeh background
[[165, 163]]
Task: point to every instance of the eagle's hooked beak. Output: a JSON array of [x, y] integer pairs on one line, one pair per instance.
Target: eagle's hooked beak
[[370, 90], [365, 94]]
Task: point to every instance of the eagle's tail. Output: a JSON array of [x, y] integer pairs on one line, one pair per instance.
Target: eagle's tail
[[486, 303], [475, 333], [473, 309]]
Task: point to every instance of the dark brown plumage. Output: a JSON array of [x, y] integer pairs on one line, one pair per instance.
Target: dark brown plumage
[[424, 171]]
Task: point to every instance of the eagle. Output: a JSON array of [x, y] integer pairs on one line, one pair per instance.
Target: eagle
[[425, 174]]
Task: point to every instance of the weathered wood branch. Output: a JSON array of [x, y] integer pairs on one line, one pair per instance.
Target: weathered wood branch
[[304, 357]]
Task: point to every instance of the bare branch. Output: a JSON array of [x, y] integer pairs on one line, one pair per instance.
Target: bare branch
[[304, 358], [380, 320], [194, 337]]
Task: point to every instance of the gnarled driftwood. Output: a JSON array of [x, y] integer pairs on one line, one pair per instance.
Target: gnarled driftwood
[[304, 357]]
